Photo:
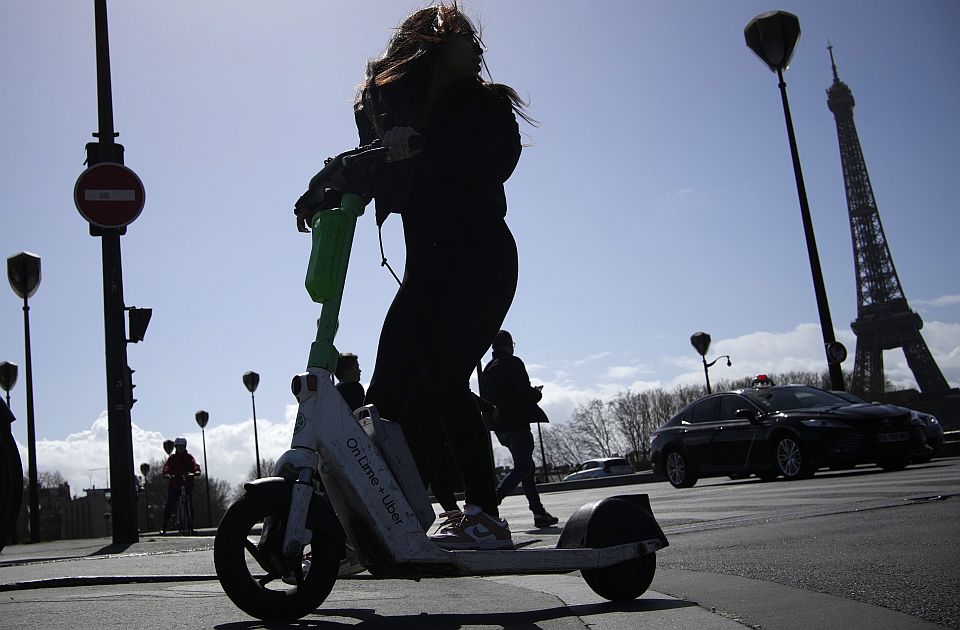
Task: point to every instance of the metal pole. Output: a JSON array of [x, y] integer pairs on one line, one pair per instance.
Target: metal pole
[[256, 442], [122, 492], [706, 373], [826, 323], [206, 476], [33, 490]]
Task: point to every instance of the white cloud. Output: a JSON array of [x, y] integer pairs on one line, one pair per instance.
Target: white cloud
[[83, 458], [943, 300], [620, 372]]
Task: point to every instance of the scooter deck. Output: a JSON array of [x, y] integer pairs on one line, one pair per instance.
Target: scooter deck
[[523, 560]]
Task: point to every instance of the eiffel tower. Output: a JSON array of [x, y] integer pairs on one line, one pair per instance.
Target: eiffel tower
[[884, 319]]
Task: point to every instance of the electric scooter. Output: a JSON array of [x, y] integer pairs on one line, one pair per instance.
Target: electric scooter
[[349, 478]]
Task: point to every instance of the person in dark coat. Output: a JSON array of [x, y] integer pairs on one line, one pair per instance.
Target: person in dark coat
[[348, 380], [453, 141], [505, 383]]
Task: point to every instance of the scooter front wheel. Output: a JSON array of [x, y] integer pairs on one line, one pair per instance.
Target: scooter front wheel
[[246, 572], [622, 582]]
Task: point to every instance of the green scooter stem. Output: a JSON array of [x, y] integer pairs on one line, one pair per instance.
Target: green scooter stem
[[333, 232]]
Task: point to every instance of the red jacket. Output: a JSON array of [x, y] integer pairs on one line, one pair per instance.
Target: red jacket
[[180, 464]]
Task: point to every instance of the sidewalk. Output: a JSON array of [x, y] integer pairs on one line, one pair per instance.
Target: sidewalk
[[66, 584], [170, 582]]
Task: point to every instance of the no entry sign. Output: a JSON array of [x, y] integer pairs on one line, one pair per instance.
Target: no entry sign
[[109, 195]]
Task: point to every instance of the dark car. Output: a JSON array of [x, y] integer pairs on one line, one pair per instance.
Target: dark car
[[785, 430], [931, 426]]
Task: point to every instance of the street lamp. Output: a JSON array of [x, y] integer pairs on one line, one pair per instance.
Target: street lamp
[[144, 469], [8, 378], [23, 272], [251, 380], [701, 343], [773, 37], [202, 418]]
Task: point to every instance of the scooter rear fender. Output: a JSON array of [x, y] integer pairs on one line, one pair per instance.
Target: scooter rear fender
[[613, 521]]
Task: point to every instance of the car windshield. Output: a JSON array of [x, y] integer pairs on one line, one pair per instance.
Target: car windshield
[[782, 398]]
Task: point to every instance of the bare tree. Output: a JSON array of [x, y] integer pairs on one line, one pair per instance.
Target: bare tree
[[563, 446], [48, 479], [593, 425], [632, 419]]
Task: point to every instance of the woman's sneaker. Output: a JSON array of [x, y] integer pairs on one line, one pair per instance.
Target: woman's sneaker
[[545, 520], [473, 529]]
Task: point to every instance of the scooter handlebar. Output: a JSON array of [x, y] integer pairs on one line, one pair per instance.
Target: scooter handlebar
[[343, 174]]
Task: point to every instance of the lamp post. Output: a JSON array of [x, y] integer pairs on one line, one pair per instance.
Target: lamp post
[[701, 343], [8, 378], [23, 272], [251, 380], [202, 418], [773, 37], [144, 469]]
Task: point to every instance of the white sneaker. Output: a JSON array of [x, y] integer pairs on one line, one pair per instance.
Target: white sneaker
[[474, 529]]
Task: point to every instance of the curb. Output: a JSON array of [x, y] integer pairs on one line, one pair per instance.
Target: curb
[[102, 580]]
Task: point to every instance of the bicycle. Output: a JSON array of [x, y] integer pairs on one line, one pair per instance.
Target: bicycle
[[372, 498], [184, 513]]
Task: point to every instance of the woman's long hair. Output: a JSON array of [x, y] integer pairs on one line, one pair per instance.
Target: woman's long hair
[[409, 57]]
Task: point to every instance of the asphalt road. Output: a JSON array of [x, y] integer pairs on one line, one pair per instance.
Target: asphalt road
[[888, 539], [858, 549]]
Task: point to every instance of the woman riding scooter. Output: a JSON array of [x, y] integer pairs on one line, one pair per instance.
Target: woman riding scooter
[[461, 259]]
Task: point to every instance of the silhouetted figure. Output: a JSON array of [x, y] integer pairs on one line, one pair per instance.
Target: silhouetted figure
[[461, 266], [505, 383], [348, 377], [180, 468]]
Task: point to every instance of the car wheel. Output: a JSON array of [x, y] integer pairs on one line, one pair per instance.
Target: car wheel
[[680, 473], [790, 458]]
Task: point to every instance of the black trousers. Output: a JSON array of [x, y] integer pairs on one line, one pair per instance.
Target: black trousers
[[455, 295]]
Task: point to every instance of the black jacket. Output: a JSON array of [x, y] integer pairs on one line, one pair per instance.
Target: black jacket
[[352, 393], [472, 147], [505, 383]]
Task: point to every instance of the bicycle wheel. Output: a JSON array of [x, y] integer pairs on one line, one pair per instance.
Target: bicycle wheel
[[183, 514]]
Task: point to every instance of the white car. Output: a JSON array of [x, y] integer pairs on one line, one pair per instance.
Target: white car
[[603, 467]]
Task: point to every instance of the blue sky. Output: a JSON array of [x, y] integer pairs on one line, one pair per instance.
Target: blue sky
[[655, 199]]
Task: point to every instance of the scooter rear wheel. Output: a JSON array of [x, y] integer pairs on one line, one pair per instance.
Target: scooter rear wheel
[[246, 583], [622, 582]]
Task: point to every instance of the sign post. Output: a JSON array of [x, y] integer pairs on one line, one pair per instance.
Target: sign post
[[110, 197]]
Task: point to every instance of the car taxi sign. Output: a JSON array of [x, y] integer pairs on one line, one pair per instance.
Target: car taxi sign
[[109, 195]]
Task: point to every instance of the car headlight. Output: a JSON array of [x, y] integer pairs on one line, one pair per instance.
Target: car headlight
[[824, 424], [932, 421]]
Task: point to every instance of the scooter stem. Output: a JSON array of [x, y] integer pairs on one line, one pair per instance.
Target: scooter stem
[[333, 232]]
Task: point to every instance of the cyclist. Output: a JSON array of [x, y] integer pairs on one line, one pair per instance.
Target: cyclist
[[180, 468]]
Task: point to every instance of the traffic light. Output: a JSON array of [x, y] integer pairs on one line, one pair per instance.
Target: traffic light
[[139, 320], [128, 389]]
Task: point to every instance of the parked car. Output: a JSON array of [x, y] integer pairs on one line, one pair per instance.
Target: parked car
[[602, 467], [782, 430], [932, 426]]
